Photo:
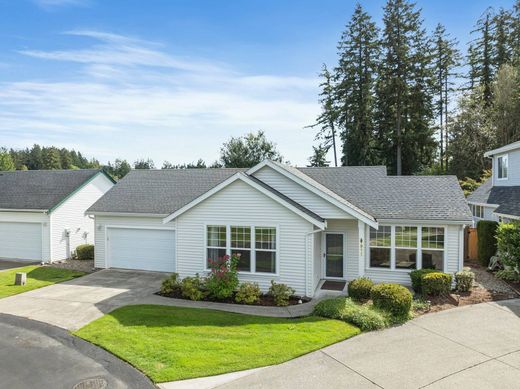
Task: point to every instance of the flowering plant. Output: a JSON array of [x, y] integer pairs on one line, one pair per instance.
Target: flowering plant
[[223, 278]]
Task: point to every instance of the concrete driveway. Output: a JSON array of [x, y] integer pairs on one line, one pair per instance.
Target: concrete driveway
[[470, 347], [75, 303], [37, 355]]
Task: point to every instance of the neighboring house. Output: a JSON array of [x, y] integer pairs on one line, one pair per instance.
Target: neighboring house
[[298, 226], [499, 197], [42, 212]]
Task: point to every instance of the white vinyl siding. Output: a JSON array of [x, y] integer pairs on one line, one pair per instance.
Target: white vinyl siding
[[239, 204], [104, 222], [71, 216], [300, 194], [19, 236], [143, 249]]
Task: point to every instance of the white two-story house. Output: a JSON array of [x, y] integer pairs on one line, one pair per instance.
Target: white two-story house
[[499, 197]]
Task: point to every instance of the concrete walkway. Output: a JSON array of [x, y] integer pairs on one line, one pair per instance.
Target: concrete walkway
[[470, 347]]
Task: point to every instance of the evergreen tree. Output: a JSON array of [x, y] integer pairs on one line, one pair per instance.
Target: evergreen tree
[[329, 113], [319, 157], [446, 60], [506, 105], [515, 34], [248, 150], [503, 39], [119, 169], [66, 160], [144, 164], [404, 91], [51, 158], [35, 158], [484, 56], [358, 52]]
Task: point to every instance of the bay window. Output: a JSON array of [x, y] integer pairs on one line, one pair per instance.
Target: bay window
[[257, 246], [407, 248]]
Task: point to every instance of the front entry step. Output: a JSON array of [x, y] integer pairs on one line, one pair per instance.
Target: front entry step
[[334, 285]]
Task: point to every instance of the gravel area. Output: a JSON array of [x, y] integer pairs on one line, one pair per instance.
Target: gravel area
[[74, 264], [487, 280]]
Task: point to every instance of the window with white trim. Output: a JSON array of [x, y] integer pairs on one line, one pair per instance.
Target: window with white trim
[[407, 247], [216, 242], [502, 167], [432, 244], [257, 246], [380, 247], [478, 211]]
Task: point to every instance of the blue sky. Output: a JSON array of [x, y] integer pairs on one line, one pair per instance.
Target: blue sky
[[173, 79]]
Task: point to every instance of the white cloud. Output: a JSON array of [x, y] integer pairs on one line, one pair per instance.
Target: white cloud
[[135, 100]]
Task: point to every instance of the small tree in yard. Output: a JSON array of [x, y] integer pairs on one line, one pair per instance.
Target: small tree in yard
[[223, 279], [508, 244]]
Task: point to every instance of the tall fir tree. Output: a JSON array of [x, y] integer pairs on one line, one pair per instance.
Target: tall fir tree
[[358, 52], [404, 91], [502, 38], [483, 55], [326, 121]]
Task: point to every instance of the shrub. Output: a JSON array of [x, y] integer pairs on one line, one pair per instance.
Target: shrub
[[436, 284], [281, 293], [359, 289], [85, 252], [366, 317], [193, 288], [416, 277], [508, 244], [171, 284], [331, 308], [464, 280], [223, 279], [487, 242], [508, 275], [248, 293], [420, 305], [393, 298]]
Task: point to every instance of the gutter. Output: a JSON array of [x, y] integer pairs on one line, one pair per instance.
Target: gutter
[[23, 210]]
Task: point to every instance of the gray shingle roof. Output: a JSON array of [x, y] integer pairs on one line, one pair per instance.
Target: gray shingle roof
[[481, 194], [159, 191], [506, 197], [40, 189], [396, 197], [368, 188]]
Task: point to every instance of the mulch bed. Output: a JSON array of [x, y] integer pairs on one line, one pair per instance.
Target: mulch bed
[[86, 266], [265, 300], [486, 288]]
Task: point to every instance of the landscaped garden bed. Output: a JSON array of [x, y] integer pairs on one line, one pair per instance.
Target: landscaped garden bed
[[171, 343]]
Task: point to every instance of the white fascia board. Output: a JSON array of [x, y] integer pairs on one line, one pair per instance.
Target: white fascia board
[[486, 205], [503, 149], [336, 200], [24, 210], [129, 214], [424, 222], [243, 177], [506, 215]]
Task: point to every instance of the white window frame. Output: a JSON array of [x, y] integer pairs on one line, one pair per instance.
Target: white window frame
[[392, 244], [419, 248], [477, 211], [396, 247], [253, 246], [499, 171]]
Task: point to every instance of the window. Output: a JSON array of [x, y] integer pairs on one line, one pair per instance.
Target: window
[[406, 247], [257, 246], [502, 167], [216, 242], [265, 250], [432, 248], [478, 211], [241, 244], [380, 247]]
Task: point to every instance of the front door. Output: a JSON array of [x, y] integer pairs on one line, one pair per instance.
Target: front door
[[334, 254]]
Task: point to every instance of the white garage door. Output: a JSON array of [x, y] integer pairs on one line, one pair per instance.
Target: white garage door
[[21, 241], [144, 249]]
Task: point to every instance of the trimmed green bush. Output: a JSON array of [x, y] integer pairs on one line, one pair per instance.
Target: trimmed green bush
[[359, 289], [193, 288], [248, 293], [436, 284], [85, 252], [508, 244], [464, 280], [392, 298], [281, 293], [331, 308], [171, 284], [487, 242], [416, 277]]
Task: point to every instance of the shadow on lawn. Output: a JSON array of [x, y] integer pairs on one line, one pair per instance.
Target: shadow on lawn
[[52, 274], [166, 316]]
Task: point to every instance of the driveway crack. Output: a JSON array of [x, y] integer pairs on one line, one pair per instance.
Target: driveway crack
[[351, 369]]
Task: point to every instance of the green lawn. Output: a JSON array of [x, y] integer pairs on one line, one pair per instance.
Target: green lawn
[[170, 343], [37, 277]]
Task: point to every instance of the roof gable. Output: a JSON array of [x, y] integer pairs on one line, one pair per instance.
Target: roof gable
[[41, 190]]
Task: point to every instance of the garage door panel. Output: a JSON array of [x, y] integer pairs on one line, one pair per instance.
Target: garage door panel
[[144, 249], [21, 241]]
